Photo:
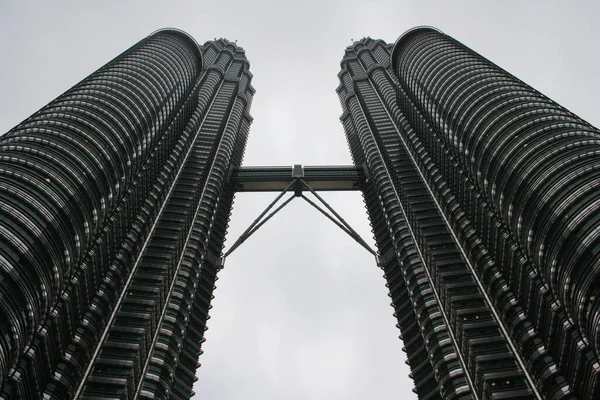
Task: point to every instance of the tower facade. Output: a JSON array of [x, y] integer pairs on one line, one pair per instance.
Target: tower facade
[[484, 204], [482, 194], [114, 205]]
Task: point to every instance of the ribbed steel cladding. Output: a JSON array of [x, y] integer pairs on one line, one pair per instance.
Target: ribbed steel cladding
[[480, 235], [177, 377], [425, 381], [512, 312], [201, 305], [112, 284], [184, 375], [418, 356], [533, 165], [401, 302], [151, 371], [68, 175]]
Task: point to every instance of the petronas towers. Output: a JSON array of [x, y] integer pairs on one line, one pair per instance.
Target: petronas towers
[[482, 194]]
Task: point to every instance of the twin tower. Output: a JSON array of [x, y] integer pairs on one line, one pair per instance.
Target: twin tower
[[482, 194]]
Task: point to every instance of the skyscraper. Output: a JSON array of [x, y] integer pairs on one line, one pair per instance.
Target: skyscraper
[[484, 203], [114, 202], [115, 198]]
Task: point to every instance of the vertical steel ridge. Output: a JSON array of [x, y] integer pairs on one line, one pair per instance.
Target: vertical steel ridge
[[185, 373], [165, 289], [368, 68], [375, 191], [423, 323], [427, 176], [81, 182], [522, 170], [205, 242], [185, 150]]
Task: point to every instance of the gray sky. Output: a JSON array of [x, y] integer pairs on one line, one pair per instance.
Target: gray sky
[[301, 311]]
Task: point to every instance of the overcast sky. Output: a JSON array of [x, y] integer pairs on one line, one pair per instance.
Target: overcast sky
[[301, 311]]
